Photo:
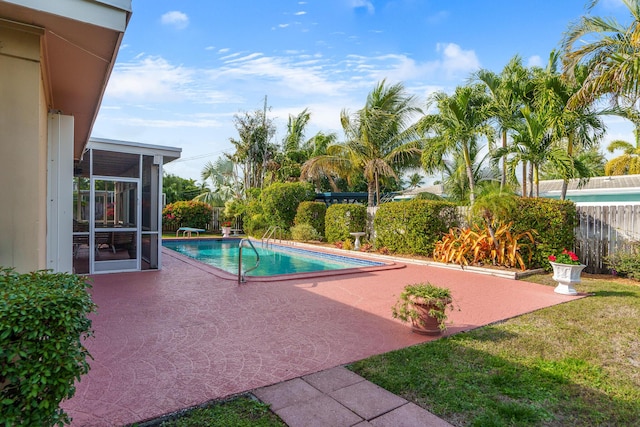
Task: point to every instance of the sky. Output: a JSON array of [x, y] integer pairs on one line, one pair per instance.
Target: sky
[[185, 68]]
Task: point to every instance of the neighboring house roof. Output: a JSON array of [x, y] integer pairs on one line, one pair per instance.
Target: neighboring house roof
[[600, 183], [80, 40], [438, 190]]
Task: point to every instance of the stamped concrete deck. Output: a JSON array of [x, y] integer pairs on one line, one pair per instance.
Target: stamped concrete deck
[[171, 339]]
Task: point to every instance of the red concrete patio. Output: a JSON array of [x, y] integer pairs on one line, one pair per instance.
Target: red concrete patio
[[171, 339]]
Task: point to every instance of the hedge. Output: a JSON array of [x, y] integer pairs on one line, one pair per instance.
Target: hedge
[[413, 226], [43, 321], [342, 219], [190, 213], [280, 202], [554, 222], [312, 213]]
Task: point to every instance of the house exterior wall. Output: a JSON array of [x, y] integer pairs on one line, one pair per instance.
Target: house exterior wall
[[23, 151]]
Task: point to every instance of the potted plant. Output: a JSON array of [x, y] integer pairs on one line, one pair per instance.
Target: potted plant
[[226, 228], [566, 271], [425, 306]]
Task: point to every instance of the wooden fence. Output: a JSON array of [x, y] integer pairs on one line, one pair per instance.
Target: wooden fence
[[604, 229]]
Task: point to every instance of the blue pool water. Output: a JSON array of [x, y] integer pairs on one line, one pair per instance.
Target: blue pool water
[[275, 260]]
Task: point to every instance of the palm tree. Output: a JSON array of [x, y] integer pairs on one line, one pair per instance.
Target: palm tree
[[534, 143], [627, 163], [461, 120], [224, 182], [580, 127], [506, 91], [379, 140], [612, 58], [415, 180]]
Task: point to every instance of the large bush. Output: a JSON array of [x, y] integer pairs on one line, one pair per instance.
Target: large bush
[[342, 219], [554, 222], [413, 226], [312, 213], [280, 202], [189, 213], [43, 320]]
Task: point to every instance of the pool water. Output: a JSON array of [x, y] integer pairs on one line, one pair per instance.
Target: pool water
[[274, 260]]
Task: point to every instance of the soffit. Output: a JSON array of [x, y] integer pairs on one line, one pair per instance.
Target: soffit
[[77, 60]]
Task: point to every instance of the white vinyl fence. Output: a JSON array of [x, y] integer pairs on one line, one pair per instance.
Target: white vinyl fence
[[604, 229]]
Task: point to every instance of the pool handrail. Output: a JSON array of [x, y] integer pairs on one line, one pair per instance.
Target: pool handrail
[[242, 277], [266, 237]]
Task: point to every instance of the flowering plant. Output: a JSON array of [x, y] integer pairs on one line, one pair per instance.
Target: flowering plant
[[566, 257], [226, 223]]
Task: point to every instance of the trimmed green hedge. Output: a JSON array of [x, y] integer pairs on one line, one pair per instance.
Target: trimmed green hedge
[[190, 213], [280, 202], [43, 320], [344, 218], [312, 213], [413, 226], [553, 220]]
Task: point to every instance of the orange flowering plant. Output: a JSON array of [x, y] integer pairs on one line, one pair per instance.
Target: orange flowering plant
[[566, 257]]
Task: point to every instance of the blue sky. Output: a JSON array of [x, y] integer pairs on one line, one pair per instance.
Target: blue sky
[[185, 68]]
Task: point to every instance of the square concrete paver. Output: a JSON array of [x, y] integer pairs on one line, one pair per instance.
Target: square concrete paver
[[333, 379], [367, 399], [409, 415], [320, 412], [287, 393]]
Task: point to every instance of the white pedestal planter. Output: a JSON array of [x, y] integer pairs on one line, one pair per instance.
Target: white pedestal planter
[[226, 231], [566, 275]]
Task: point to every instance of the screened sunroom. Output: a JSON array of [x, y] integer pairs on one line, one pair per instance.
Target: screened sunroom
[[117, 206]]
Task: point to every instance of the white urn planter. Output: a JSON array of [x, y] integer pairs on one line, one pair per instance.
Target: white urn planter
[[226, 231], [566, 275]]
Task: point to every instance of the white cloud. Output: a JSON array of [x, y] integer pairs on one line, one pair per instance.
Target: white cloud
[[300, 13], [456, 61], [175, 19], [363, 4]]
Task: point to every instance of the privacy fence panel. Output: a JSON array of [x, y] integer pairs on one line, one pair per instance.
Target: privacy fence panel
[[604, 230]]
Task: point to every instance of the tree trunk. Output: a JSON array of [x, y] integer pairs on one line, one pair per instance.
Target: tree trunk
[[524, 179], [565, 181], [371, 194], [503, 178], [472, 186]]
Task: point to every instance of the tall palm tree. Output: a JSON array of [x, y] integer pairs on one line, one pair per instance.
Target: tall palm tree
[[506, 91], [627, 163], [224, 183], [462, 118], [380, 140], [580, 127], [534, 143], [611, 55]]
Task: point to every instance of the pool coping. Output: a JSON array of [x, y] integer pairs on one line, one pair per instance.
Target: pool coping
[[386, 264]]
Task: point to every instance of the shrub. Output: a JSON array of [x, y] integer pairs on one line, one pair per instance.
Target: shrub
[[304, 232], [414, 226], [625, 262], [312, 213], [43, 320], [344, 218], [189, 213], [280, 202], [554, 222], [477, 245]]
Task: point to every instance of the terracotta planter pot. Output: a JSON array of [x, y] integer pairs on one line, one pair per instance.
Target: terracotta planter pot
[[426, 324]]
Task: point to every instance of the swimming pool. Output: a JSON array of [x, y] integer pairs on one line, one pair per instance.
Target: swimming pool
[[274, 261]]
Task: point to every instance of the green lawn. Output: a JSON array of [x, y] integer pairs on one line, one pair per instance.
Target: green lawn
[[238, 412], [575, 364]]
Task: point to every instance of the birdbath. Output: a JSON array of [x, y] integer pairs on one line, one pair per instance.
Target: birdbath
[[357, 235]]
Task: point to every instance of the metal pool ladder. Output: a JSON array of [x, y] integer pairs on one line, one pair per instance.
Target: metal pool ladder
[[242, 277], [270, 235]]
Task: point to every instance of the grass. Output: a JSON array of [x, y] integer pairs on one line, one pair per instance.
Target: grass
[[238, 412], [572, 364]]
